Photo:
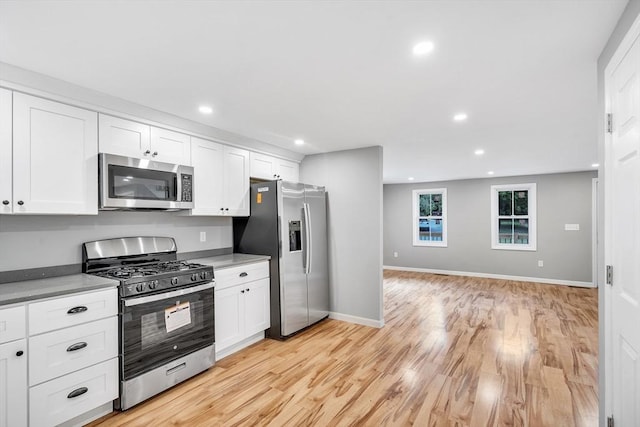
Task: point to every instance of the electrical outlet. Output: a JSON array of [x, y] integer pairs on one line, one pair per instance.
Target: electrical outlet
[[203, 236], [540, 263], [395, 254]]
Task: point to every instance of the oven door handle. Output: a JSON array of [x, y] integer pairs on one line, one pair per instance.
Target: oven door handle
[[165, 295]]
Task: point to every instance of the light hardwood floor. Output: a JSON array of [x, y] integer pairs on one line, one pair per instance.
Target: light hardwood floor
[[455, 351]]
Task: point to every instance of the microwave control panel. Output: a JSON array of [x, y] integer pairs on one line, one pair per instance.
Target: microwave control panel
[[187, 185]]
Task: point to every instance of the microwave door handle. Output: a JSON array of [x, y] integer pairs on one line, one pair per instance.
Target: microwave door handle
[[158, 297], [178, 186]]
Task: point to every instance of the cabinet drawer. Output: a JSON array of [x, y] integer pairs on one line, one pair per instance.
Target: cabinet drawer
[[59, 400], [73, 310], [241, 274], [12, 324], [59, 352]]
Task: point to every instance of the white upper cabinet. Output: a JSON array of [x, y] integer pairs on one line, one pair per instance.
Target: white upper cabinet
[[269, 168], [221, 181], [236, 181], [55, 163], [133, 139], [207, 162], [6, 165], [124, 137], [171, 147]]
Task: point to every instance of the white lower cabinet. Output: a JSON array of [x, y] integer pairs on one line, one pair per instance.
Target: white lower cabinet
[[241, 306], [73, 356], [13, 384], [69, 396]]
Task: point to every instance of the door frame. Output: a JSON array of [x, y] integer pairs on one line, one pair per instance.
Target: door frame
[[605, 359], [595, 184]]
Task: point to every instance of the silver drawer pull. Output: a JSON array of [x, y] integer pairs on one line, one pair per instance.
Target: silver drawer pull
[[244, 274], [176, 368], [78, 309], [77, 346], [77, 392]]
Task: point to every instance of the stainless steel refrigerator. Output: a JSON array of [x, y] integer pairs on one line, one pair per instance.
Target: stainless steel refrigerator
[[289, 222]]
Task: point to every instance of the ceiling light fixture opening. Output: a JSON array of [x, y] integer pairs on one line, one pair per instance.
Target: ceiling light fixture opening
[[490, 173], [299, 142], [595, 165], [460, 117], [479, 152], [205, 109], [411, 178], [423, 48]]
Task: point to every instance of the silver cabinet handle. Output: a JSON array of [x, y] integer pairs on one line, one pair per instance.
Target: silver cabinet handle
[[244, 274], [155, 153], [147, 152], [78, 309], [20, 202], [5, 202]]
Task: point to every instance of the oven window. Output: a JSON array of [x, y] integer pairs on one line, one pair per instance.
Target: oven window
[[155, 333], [135, 183]]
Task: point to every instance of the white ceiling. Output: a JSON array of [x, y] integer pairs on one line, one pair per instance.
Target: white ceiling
[[341, 75]]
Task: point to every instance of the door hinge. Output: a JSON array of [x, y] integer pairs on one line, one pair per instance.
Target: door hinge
[[609, 275], [609, 123], [610, 421]]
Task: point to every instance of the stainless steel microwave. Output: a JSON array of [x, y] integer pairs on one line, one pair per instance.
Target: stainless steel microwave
[[129, 183]]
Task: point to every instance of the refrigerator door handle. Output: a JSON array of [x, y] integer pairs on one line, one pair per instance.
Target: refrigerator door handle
[[307, 230]]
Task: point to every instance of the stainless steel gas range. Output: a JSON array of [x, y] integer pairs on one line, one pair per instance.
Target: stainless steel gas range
[[166, 316]]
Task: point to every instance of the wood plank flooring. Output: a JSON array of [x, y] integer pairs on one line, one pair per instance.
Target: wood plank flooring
[[455, 351]]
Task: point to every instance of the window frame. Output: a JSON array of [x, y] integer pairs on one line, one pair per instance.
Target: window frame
[[531, 216], [416, 217]]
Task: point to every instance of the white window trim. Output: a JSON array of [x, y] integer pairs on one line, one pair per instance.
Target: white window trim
[[416, 197], [533, 220]]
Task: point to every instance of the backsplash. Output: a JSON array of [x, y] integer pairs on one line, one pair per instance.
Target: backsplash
[[43, 241]]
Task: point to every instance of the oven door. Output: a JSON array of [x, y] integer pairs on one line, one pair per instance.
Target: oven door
[[159, 328]]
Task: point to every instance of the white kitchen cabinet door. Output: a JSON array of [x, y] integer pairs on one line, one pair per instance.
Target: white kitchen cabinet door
[[13, 384], [229, 323], [55, 158], [268, 167], [123, 137], [207, 162], [170, 147], [256, 306], [236, 181], [263, 166], [288, 171], [6, 166]]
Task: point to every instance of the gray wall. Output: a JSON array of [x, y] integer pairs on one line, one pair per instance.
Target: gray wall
[[628, 17], [353, 180], [44, 241], [561, 199]]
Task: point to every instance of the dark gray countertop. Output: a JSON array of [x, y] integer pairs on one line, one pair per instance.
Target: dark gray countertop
[[29, 290], [230, 260]]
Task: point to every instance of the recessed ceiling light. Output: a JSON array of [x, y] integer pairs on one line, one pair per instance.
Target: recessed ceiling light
[[460, 117], [479, 152], [411, 178], [299, 142], [423, 48], [490, 173], [205, 109], [595, 165]]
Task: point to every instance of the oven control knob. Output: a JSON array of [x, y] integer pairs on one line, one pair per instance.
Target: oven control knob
[[153, 284], [203, 275], [174, 280], [140, 287], [194, 277]]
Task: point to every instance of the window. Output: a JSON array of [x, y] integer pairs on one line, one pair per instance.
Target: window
[[513, 217], [430, 217]]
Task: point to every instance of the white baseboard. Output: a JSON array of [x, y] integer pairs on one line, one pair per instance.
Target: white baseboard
[[357, 320], [494, 276], [239, 346]]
